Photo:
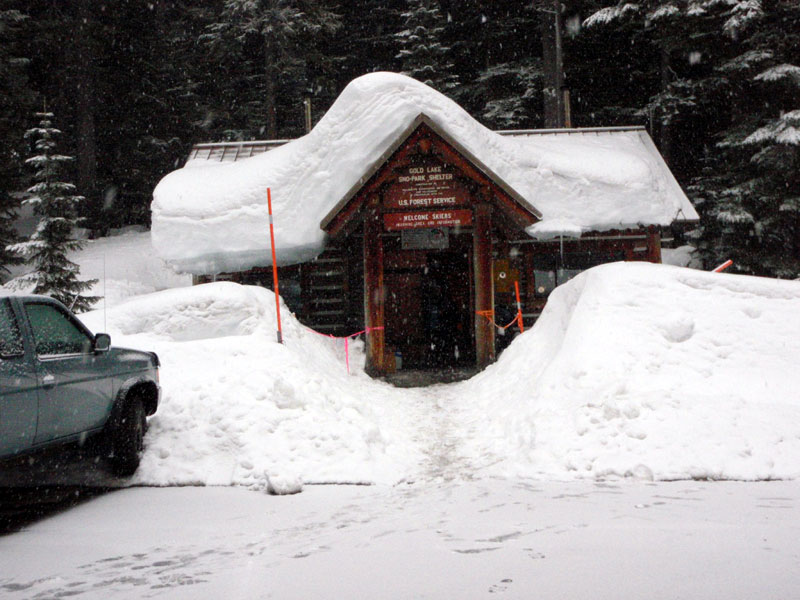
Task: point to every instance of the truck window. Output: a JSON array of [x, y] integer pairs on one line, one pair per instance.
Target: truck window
[[54, 333], [10, 338]]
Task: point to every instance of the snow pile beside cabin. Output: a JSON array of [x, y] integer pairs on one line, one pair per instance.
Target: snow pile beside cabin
[[633, 370], [239, 408], [124, 264], [648, 371], [212, 217]]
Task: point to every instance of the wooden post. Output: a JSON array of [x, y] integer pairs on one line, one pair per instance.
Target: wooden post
[[653, 245], [484, 284], [374, 292], [307, 107]]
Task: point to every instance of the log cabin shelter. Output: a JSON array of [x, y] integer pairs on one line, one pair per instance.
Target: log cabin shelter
[[429, 245], [426, 216]]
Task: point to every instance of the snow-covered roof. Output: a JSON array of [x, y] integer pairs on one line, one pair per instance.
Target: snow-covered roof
[[212, 216], [231, 151]]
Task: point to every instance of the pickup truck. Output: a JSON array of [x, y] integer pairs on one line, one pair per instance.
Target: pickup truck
[[60, 383]]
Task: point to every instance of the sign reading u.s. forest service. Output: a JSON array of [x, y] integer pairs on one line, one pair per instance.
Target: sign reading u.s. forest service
[[426, 186], [427, 219]]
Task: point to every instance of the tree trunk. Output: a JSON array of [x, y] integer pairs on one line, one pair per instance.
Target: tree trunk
[[553, 65], [665, 139], [271, 86], [86, 144]]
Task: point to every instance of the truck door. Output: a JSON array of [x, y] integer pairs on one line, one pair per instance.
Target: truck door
[[18, 386], [76, 387]]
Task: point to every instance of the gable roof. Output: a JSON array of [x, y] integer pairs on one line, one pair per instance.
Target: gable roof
[[422, 121], [211, 216], [636, 143]]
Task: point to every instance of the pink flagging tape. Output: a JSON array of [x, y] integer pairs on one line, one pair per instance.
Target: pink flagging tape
[[346, 339]]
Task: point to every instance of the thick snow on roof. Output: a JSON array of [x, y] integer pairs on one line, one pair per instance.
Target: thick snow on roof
[[212, 217]]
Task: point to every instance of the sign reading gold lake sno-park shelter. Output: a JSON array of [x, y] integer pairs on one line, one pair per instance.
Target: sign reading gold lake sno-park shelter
[[425, 187]]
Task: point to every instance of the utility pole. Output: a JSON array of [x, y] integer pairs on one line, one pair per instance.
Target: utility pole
[[556, 95]]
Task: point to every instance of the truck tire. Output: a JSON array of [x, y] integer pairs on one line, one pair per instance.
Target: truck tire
[[127, 440]]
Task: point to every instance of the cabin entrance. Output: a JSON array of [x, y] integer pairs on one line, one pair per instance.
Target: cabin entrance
[[428, 318]]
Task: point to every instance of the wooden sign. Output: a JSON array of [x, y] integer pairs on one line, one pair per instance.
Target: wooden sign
[[504, 276], [427, 219], [425, 186]]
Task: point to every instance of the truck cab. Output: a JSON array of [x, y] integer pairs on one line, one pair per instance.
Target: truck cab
[[60, 383]]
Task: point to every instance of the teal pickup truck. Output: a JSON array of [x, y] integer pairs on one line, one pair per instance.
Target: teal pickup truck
[[59, 383]]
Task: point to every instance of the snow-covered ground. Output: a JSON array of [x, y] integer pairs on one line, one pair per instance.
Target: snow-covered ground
[[543, 476], [490, 538], [633, 370], [124, 265]]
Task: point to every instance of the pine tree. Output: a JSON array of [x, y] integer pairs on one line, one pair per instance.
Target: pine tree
[[502, 79], [8, 235], [682, 40], [56, 204], [726, 116], [15, 97], [267, 49], [366, 42], [424, 57], [151, 70], [749, 193]]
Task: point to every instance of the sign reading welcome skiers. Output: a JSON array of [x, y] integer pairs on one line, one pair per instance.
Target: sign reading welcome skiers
[[427, 219]]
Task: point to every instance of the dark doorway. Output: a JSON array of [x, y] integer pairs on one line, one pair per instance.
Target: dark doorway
[[428, 310]]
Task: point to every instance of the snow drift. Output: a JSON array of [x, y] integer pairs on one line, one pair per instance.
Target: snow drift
[[239, 408], [212, 217], [648, 371], [123, 265], [633, 370]]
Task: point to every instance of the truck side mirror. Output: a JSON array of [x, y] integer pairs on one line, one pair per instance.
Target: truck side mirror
[[102, 342]]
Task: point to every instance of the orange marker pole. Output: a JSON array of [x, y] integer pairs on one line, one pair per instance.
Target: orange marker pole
[[274, 266], [519, 308], [723, 266]]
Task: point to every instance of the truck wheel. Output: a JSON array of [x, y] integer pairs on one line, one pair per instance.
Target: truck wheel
[[127, 441]]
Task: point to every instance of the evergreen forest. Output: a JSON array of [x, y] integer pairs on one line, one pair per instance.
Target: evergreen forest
[[134, 83]]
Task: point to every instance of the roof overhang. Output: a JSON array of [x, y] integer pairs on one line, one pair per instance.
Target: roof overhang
[[519, 209]]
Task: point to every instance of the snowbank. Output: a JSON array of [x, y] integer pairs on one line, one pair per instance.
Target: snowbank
[[210, 218], [633, 370], [239, 408], [682, 256], [124, 265], [648, 371]]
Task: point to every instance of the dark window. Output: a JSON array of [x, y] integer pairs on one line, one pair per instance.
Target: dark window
[[10, 338], [551, 271], [564, 275], [545, 282], [54, 332]]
